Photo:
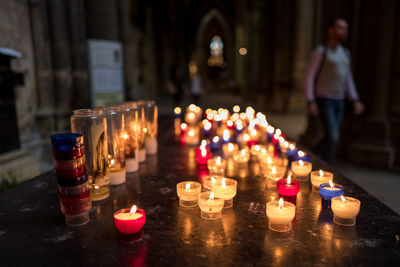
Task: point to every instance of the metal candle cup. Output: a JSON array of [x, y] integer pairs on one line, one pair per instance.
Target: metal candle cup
[[129, 223], [187, 193], [345, 210], [327, 192]]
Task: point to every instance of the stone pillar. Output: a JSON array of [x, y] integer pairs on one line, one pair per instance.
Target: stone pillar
[[61, 55], [43, 64]]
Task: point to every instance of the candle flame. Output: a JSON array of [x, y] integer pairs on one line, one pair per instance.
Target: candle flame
[[278, 131], [203, 152], [300, 153], [216, 139], [211, 196], [263, 151], [218, 160], [289, 180], [223, 183], [192, 107], [243, 152], [257, 148], [213, 180], [301, 163], [230, 147], [276, 136], [133, 210], [177, 110], [343, 199], [236, 109], [112, 161], [292, 146], [331, 184], [229, 123], [269, 160], [203, 143], [246, 137], [207, 126], [274, 170], [191, 133], [125, 136], [281, 203], [187, 186], [183, 126], [145, 130], [321, 173], [286, 144], [281, 139]]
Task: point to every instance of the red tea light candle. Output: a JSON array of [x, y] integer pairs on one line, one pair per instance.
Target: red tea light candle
[[129, 221], [203, 155], [230, 124], [288, 187]]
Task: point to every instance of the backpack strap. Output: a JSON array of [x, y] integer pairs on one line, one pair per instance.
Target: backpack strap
[[321, 64]]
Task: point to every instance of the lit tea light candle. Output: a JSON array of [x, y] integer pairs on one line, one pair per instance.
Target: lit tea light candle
[[190, 118], [280, 215], [230, 124], [273, 174], [216, 166], [215, 143], [301, 169], [203, 154], [117, 173], [301, 155], [192, 136], [210, 206], [229, 149], [255, 151], [209, 181], [129, 221], [253, 140], [330, 190], [239, 126], [291, 151], [288, 187], [187, 193], [226, 136], [225, 188], [177, 112], [242, 156], [320, 177], [207, 126], [345, 210], [270, 132]]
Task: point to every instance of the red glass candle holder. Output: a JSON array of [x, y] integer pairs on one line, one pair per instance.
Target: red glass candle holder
[[128, 227], [288, 190], [202, 159], [77, 204], [251, 143]]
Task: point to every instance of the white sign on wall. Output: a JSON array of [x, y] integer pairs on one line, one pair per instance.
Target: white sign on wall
[[106, 72]]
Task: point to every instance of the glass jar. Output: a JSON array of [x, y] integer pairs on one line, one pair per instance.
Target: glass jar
[[142, 132], [116, 157], [92, 125], [151, 128], [130, 137]]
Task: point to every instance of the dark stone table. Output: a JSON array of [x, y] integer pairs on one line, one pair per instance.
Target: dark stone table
[[33, 231]]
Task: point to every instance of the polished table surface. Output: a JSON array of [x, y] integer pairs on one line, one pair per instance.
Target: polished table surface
[[33, 230]]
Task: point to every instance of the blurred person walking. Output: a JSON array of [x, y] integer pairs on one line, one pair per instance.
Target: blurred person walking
[[328, 81]]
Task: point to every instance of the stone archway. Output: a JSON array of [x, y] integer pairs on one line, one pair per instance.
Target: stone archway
[[213, 18]]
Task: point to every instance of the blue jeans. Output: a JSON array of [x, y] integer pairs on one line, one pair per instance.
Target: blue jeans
[[331, 113]]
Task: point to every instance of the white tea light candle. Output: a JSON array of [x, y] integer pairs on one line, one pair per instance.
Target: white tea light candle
[[187, 193], [345, 210], [210, 206], [280, 215], [301, 169]]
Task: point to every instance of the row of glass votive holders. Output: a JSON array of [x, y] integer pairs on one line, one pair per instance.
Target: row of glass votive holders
[[73, 185]]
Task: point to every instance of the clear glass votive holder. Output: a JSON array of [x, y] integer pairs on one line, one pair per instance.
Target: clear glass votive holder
[[210, 206], [188, 192], [345, 210], [280, 217]]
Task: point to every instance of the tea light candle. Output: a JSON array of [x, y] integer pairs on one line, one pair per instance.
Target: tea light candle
[[177, 112], [190, 118], [330, 190], [320, 177], [301, 169], [129, 221], [229, 149], [280, 215], [345, 210], [210, 206], [255, 151], [226, 136], [301, 155], [187, 193], [242, 156], [192, 136], [202, 155], [207, 126], [288, 187], [273, 174], [209, 181], [216, 166], [225, 188], [215, 143]]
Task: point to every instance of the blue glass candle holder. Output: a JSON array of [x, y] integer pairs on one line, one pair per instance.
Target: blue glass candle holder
[[269, 136], [327, 193], [66, 141], [215, 145]]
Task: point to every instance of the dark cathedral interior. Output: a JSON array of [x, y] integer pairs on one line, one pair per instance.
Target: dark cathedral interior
[[57, 56]]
